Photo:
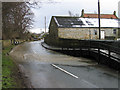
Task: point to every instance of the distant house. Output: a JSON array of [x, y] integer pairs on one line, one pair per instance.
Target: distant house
[[84, 27], [107, 16]]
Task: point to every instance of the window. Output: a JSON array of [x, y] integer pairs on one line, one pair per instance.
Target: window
[[95, 32], [114, 31]]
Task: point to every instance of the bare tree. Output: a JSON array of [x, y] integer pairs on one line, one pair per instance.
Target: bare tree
[[17, 18]]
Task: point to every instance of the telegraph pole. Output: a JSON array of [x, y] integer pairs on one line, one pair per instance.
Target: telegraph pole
[[45, 24], [99, 19]]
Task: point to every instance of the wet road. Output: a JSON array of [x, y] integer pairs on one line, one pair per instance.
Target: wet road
[[36, 62]]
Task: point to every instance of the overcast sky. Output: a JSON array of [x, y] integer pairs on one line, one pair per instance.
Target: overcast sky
[[61, 8]]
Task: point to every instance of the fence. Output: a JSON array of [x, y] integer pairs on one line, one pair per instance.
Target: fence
[[104, 53]]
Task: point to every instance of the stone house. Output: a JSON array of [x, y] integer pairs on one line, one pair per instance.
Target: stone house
[[82, 28]]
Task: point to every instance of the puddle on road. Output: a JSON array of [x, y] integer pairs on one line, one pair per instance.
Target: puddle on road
[[28, 52], [35, 62]]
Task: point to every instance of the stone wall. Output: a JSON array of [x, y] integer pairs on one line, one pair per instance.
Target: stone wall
[[84, 33], [73, 33], [53, 29], [73, 43]]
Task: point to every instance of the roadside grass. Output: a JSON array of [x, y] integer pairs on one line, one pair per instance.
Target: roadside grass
[[10, 72], [6, 43], [7, 66]]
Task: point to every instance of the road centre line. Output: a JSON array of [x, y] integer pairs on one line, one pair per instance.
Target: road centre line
[[64, 71], [94, 86]]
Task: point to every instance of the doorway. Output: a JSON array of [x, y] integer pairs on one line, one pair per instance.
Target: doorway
[[102, 34]]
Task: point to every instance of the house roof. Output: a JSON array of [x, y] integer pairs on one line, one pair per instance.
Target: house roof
[[73, 22], [107, 16]]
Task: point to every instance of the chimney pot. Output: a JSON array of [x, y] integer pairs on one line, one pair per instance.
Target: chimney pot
[[82, 13], [114, 13]]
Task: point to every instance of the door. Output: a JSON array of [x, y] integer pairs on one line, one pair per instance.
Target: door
[[102, 34]]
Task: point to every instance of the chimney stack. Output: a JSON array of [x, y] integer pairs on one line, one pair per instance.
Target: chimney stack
[[114, 13], [82, 13]]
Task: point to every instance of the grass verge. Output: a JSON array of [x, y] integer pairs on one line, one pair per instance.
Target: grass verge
[[11, 77]]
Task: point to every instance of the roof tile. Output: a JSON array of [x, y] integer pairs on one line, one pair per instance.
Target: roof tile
[[107, 16]]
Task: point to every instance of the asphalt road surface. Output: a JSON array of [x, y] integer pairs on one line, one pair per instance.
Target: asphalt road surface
[[36, 62]]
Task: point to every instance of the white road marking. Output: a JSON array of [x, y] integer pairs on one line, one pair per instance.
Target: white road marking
[[64, 71], [93, 86]]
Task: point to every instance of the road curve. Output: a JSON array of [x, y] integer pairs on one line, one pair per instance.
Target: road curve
[[36, 62]]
